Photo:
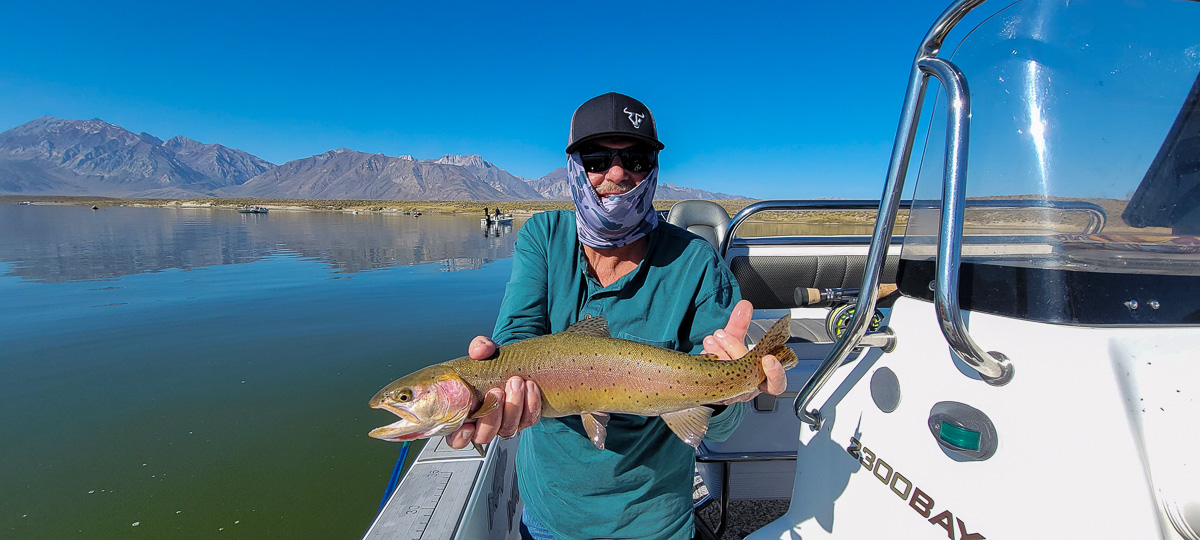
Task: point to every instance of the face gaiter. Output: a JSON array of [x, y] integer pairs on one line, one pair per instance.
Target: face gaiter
[[616, 220]]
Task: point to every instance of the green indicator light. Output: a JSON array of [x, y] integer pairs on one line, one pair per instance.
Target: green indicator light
[[959, 437]]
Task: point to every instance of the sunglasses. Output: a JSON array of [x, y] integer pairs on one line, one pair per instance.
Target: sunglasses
[[637, 160]]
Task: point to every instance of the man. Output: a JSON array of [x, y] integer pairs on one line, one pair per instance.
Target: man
[[655, 283]]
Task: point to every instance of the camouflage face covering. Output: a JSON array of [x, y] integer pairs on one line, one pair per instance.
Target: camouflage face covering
[[616, 220]]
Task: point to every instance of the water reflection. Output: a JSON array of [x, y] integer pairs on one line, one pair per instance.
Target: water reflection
[[73, 243], [495, 229]]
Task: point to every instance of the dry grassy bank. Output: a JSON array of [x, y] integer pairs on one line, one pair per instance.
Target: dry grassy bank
[[459, 207], [1112, 208]]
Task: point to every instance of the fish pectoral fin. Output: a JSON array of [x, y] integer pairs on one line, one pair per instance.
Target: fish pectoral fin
[[490, 403], [479, 448], [596, 426], [689, 425]]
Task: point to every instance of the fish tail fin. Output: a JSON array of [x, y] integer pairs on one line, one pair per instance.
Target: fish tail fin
[[787, 357], [775, 343]]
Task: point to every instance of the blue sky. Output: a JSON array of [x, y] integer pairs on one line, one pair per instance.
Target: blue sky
[[769, 100]]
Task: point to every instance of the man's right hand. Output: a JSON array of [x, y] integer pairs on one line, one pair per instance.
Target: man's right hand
[[521, 405]]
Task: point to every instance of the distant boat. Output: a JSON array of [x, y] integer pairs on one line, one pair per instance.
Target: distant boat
[[24, 203], [94, 207], [252, 210], [416, 213], [493, 219]]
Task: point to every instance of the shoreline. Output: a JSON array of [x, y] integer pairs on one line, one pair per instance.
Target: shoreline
[[519, 209], [516, 208], [522, 210]]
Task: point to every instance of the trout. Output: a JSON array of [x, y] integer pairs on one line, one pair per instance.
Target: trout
[[581, 370]]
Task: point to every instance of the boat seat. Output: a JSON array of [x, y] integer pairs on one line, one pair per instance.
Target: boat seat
[[769, 282], [809, 330], [706, 219]]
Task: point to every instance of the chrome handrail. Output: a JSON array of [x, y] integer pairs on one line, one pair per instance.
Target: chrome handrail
[[792, 204], [1097, 217], [888, 204], [993, 367]]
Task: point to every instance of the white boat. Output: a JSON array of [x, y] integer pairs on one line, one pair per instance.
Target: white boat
[[252, 210], [496, 219], [1034, 375]]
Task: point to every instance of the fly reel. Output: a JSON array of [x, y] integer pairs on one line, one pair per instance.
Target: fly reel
[[839, 319]]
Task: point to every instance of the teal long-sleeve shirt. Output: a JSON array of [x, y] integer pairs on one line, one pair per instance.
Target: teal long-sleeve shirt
[[640, 485]]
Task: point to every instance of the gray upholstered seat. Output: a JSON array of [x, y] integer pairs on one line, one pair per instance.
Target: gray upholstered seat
[[704, 218]]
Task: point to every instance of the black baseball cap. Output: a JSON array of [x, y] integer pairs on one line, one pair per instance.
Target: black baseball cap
[[612, 115]]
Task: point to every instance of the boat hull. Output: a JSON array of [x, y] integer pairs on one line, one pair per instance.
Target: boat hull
[[1084, 430]]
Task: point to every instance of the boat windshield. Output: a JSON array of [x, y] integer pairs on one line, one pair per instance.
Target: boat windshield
[[1084, 148]]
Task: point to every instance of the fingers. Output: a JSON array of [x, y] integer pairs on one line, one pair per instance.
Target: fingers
[[776, 381], [487, 427], [730, 342], [461, 436], [514, 407], [533, 405], [725, 345], [481, 348], [520, 407], [739, 320]]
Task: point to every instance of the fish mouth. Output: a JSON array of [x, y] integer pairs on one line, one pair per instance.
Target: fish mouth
[[398, 411], [400, 430], [396, 431]]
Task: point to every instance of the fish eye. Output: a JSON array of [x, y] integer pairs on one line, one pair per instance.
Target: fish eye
[[404, 395]]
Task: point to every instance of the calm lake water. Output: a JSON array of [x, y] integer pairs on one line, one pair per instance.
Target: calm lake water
[[195, 373]]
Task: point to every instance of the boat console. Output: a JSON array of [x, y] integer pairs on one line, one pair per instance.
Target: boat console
[[1038, 378]]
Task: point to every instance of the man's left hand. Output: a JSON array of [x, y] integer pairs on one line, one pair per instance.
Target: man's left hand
[[730, 344]]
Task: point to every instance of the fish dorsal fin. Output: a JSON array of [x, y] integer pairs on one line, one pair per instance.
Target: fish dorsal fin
[[709, 356], [689, 425], [592, 326], [596, 426]]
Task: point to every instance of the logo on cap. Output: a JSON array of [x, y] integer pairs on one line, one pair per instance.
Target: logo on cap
[[635, 118]]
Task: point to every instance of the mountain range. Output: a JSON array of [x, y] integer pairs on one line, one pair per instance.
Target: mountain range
[[53, 156]]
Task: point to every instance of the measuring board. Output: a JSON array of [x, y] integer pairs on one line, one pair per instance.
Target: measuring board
[[427, 499]]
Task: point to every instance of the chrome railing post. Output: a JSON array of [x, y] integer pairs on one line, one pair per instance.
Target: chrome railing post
[[881, 239], [993, 367]]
